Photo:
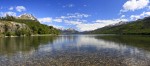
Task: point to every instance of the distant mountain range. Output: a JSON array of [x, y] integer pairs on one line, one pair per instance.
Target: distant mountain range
[[69, 31], [141, 26]]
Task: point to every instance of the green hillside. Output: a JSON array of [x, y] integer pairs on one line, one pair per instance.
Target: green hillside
[[12, 26], [141, 26]]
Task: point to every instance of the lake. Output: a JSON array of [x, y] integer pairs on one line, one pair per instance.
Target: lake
[[76, 50]]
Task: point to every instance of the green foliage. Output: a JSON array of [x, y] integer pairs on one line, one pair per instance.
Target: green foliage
[[23, 32], [9, 34], [34, 25], [38, 28], [8, 18], [136, 27]]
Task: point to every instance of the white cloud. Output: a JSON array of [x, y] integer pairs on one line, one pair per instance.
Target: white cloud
[[132, 5], [148, 7], [77, 15], [97, 24], [122, 16], [8, 13], [145, 14], [135, 17], [89, 26], [46, 19], [20, 8], [68, 5], [71, 22], [70, 18], [74, 16], [57, 26], [110, 21], [77, 20], [11, 8], [62, 17], [57, 20], [142, 15]]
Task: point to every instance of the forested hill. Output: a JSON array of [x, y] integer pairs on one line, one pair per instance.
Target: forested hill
[[24, 25], [141, 26]]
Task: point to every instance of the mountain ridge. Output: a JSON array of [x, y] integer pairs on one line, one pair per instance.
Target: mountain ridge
[[27, 16], [141, 26], [69, 31]]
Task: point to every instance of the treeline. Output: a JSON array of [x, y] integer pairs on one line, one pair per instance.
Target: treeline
[[138, 27], [38, 28], [34, 26]]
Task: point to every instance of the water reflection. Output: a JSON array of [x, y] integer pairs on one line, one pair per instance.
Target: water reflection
[[23, 44], [76, 50], [142, 42]]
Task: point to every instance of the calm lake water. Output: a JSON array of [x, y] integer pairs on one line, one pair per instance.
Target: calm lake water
[[75, 50]]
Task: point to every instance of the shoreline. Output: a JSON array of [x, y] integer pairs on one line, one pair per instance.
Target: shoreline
[[44, 35], [2, 36], [30, 35]]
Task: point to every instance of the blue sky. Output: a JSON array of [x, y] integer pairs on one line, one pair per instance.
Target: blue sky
[[82, 15]]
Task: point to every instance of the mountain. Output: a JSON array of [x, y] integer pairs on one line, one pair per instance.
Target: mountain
[[12, 28], [141, 26], [24, 25], [69, 31], [27, 16]]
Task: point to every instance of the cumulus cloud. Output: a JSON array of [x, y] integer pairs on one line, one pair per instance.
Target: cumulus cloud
[[77, 15], [97, 24], [135, 17], [142, 15], [20, 8], [57, 26], [8, 13], [71, 22], [89, 26], [57, 20], [82, 25], [74, 16], [11, 8], [70, 18], [132, 5], [110, 21], [122, 16], [46, 19], [148, 7], [77, 20]]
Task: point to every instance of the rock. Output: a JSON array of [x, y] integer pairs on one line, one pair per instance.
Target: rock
[[27, 16], [12, 27]]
